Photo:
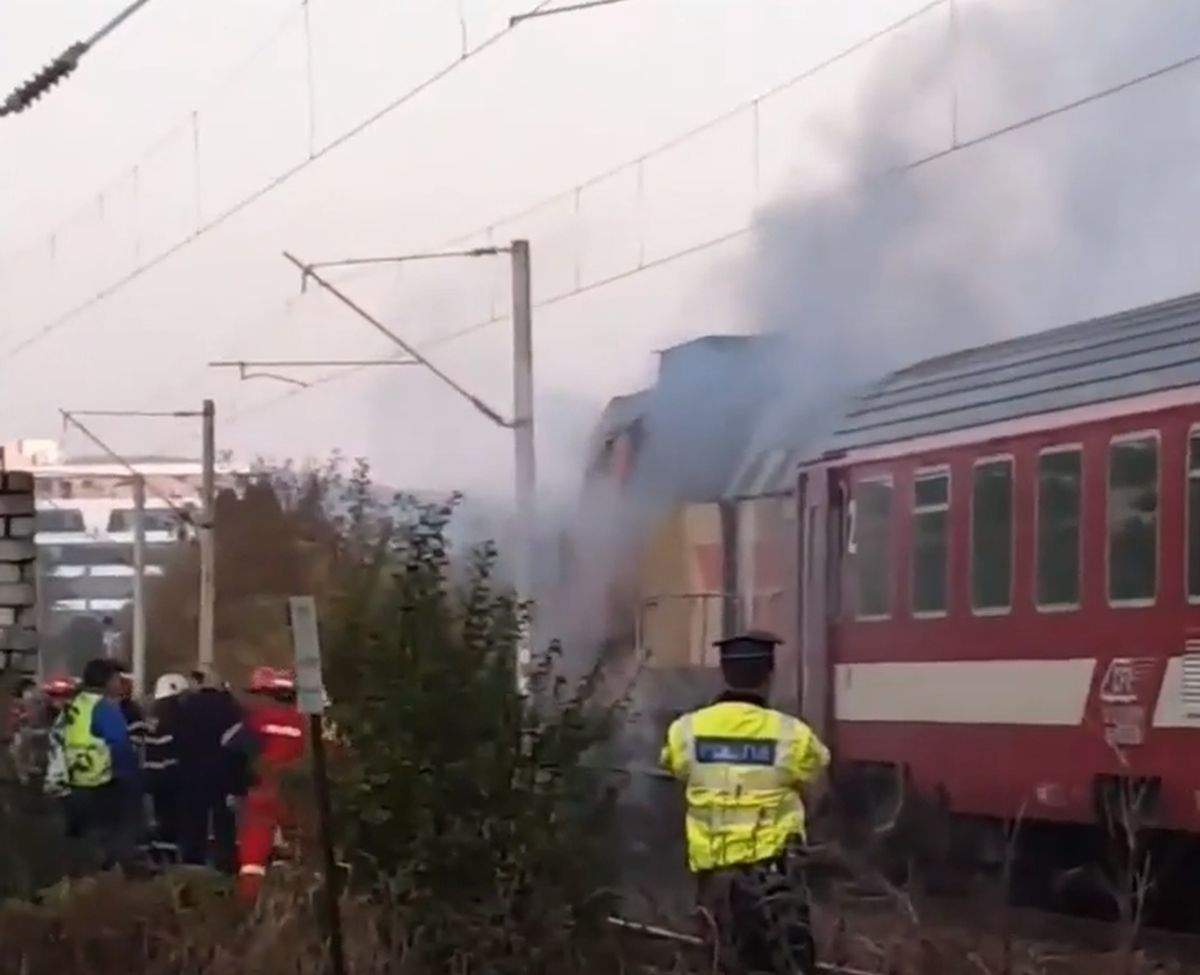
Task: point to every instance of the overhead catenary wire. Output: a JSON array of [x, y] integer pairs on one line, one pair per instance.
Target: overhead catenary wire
[[244, 366], [132, 172], [752, 103], [454, 335], [181, 513], [138, 271], [309, 363], [568, 9], [710, 123], [407, 347], [24, 95], [116, 22], [144, 413], [252, 197], [404, 258], [746, 229]]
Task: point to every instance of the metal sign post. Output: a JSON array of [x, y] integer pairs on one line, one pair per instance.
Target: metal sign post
[[310, 700]]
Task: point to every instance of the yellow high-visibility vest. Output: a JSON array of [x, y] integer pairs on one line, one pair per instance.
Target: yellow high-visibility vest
[[88, 758], [743, 765]]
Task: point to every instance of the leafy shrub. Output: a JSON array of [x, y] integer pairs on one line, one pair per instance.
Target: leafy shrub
[[464, 803]]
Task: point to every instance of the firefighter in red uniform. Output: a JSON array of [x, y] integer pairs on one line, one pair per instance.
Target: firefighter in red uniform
[[279, 730]]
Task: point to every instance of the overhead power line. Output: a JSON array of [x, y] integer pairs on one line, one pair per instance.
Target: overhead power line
[[176, 414], [30, 91], [744, 230], [307, 271], [570, 8], [106, 292], [710, 123], [69, 416], [257, 194]]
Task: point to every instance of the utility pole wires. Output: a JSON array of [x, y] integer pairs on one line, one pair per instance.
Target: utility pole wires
[[203, 525]]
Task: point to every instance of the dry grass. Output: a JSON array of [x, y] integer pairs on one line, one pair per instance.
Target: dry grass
[[188, 922], [894, 946]]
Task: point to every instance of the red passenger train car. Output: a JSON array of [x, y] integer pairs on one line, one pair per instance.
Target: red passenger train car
[[1000, 557]]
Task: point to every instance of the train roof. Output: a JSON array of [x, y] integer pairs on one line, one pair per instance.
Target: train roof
[[1102, 360]]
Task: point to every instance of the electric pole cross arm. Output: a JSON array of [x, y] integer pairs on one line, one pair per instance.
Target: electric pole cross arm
[[308, 271], [522, 424], [203, 523], [243, 366], [71, 417]]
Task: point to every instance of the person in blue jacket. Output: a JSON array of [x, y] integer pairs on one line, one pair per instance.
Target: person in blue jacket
[[94, 766]]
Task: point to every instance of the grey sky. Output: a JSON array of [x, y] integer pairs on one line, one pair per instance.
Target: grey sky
[[553, 103]]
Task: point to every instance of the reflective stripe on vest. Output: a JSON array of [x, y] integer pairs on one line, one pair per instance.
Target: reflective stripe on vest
[[282, 730], [88, 758], [738, 761]]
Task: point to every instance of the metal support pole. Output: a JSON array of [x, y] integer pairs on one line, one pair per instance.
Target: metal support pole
[[525, 467], [337, 954], [208, 588], [139, 586]]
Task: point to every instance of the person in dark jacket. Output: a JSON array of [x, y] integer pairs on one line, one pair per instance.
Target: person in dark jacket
[[131, 711], [161, 767], [212, 748]]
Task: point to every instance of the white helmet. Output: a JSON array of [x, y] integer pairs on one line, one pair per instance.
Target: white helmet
[[168, 685]]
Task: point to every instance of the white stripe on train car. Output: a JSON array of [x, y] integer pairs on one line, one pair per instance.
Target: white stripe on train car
[[1012, 692], [1179, 700]]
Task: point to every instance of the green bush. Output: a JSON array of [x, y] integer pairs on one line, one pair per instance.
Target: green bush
[[463, 803], [479, 840]]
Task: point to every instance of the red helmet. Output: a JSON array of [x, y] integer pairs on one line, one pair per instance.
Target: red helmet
[[269, 680], [60, 686]]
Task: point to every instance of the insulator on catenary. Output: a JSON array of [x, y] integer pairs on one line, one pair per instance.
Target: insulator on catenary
[[26, 94]]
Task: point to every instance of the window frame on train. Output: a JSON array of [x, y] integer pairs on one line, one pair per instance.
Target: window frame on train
[[1191, 475], [888, 562], [1009, 460], [917, 511], [1074, 447], [1134, 436]]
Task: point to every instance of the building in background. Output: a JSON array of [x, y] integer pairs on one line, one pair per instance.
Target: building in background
[[84, 535]]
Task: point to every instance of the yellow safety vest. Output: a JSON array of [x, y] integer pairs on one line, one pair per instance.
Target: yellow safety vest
[[88, 758], [743, 765]]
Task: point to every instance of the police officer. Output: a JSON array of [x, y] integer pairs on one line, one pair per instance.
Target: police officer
[[744, 766]]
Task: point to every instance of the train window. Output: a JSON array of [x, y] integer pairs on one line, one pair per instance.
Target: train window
[[1060, 474], [1133, 519], [873, 547], [931, 506], [1193, 517], [991, 536]]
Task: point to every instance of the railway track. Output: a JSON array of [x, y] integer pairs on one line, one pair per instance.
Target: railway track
[[693, 942], [1072, 942]]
